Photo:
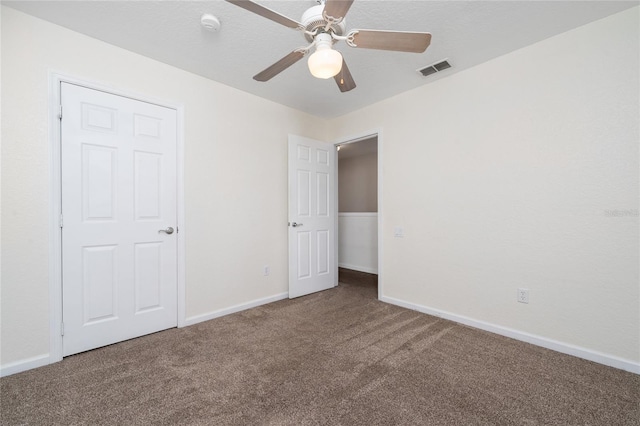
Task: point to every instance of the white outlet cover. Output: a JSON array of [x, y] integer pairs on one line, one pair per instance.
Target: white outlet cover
[[398, 232], [523, 295]]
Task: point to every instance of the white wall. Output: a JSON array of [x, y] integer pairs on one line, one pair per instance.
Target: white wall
[[358, 241], [506, 175], [234, 226]]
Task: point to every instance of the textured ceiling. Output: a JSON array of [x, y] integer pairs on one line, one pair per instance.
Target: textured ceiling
[[466, 32]]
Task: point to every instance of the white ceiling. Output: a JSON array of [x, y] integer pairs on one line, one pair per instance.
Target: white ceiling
[[466, 32]]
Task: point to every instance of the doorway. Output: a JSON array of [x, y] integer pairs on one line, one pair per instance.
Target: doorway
[[358, 214]]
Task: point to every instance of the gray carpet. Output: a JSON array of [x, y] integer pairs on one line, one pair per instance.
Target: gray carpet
[[339, 357]]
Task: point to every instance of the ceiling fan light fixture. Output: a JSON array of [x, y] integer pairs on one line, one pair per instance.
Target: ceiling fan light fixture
[[322, 26], [324, 62]]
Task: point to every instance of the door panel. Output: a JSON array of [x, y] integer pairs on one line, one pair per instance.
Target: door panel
[[99, 170], [99, 285], [311, 240], [118, 192], [148, 180], [304, 193], [304, 254], [323, 252], [322, 205], [148, 258]]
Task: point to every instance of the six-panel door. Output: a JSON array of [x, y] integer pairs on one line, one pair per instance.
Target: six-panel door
[[118, 194], [311, 216]]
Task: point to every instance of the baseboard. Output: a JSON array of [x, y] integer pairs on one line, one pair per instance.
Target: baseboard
[[25, 364], [42, 360], [233, 309], [358, 268], [565, 348]]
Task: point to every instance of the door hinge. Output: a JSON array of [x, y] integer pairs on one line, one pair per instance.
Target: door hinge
[[60, 113], [62, 329], [61, 223]]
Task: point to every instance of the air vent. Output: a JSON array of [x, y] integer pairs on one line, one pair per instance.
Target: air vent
[[434, 68]]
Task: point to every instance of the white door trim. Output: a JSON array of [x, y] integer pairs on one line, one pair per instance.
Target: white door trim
[[351, 139], [55, 191]]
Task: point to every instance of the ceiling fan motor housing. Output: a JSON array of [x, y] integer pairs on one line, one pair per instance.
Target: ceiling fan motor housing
[[312, 20]]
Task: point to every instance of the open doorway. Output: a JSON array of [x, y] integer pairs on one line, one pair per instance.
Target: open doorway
[[358, 212]]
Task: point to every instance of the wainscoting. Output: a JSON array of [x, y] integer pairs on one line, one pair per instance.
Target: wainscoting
[[358, 241]]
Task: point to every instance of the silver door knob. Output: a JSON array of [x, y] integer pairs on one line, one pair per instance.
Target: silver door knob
[[295, 225], [169, 230]]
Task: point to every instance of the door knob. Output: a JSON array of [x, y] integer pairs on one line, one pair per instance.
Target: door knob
[[169, 230], [295, 225]]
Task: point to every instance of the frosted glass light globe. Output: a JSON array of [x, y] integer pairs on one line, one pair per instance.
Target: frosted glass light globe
[[325, 62]]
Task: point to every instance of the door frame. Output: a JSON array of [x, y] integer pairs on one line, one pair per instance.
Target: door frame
[[55, 205], [358, 137]]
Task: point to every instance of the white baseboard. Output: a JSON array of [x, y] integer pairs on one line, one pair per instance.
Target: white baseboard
[[609, 360], [233, 309], [25, 364], [358, 268], [42, 360], [565, 348]]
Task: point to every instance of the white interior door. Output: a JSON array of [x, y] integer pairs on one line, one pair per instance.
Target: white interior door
[[311, 216], [119, 245]]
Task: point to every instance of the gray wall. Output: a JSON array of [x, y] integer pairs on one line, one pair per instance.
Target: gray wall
[[358, 177]]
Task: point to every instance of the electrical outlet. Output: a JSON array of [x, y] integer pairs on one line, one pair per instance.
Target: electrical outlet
[[267, 270], [523, 295], [398, 232]]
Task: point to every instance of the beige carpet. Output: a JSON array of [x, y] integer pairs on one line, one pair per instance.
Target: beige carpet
[[338, 357]]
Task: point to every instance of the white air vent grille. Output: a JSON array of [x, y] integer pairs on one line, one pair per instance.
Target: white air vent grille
[[434, 68]]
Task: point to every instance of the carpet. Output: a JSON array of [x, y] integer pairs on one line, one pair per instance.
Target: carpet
[[338, 357]]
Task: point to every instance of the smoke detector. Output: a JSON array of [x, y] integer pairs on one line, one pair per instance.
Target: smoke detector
[[210, 22]]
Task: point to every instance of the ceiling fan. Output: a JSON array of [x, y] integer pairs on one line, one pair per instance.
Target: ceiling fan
[[323, 25]]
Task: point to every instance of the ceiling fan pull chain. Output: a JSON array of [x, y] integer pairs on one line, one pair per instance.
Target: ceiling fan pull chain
[[304, 50]]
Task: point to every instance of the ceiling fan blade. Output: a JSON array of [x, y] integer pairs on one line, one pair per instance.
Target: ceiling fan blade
[[279, 66], [266, 13], [344, 79], [401, 41], [337, 8]]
